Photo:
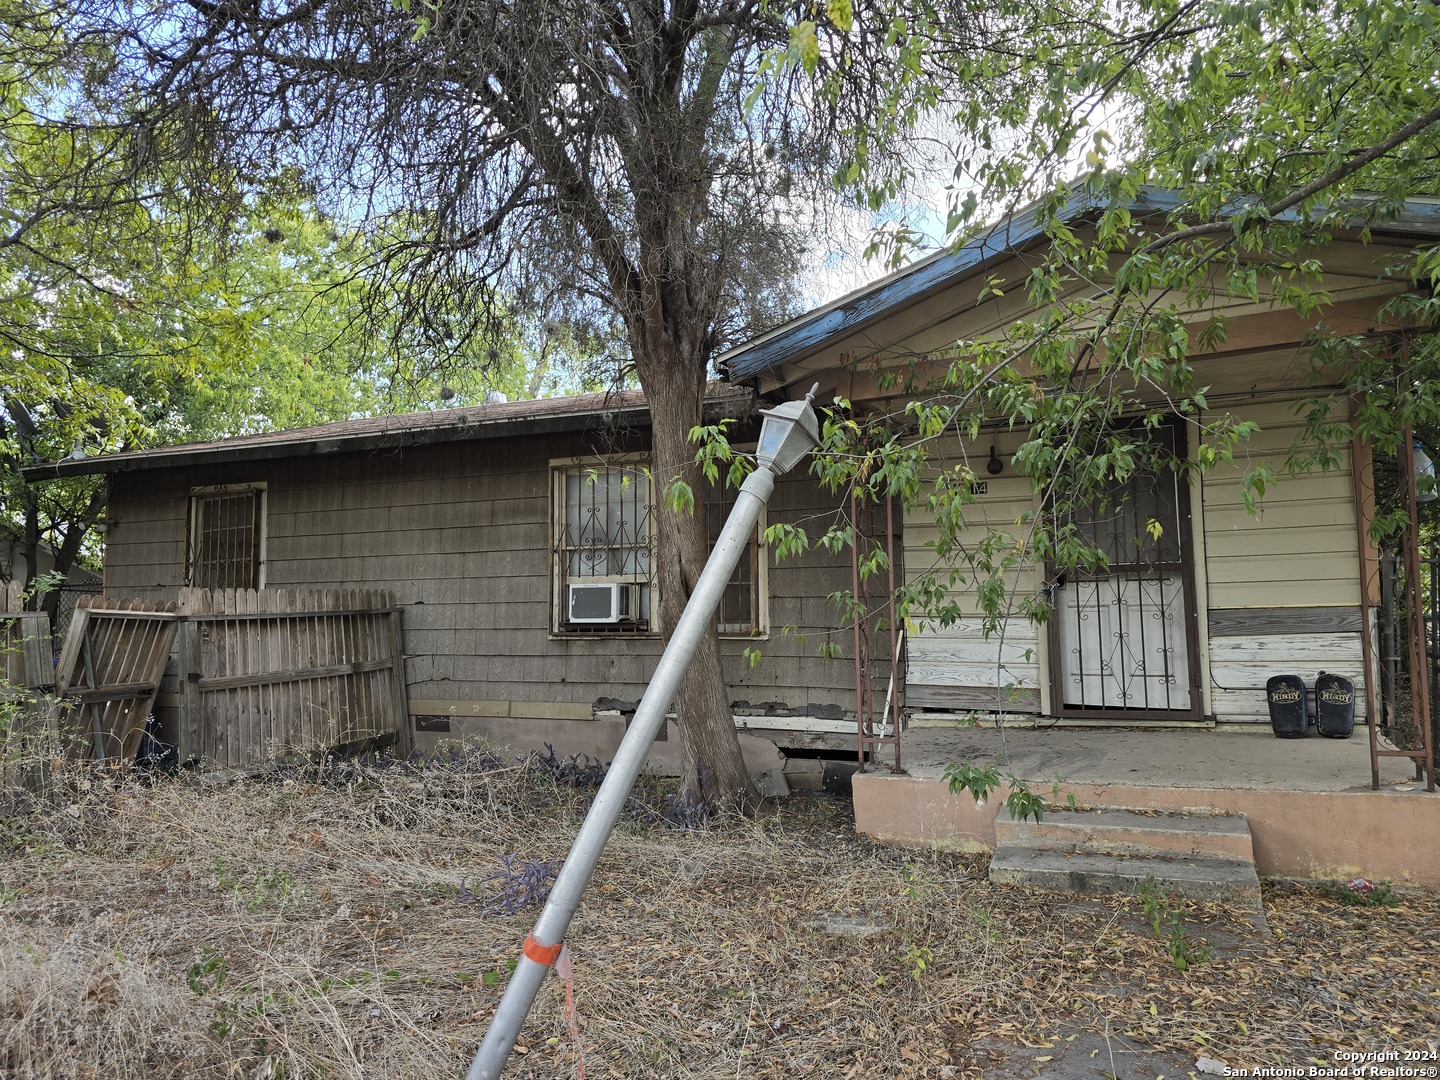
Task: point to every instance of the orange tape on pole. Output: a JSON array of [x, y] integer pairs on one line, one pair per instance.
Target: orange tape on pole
[[540, 953]]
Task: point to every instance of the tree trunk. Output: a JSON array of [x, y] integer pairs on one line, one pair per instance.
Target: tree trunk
[[69, 550], [714, 771], [30, 546]]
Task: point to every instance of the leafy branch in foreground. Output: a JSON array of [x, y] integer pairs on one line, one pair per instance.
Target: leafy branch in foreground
[[980, 782], [1184, 161]]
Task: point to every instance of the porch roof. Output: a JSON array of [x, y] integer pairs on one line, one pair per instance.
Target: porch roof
[[495, 420], [807, 334]]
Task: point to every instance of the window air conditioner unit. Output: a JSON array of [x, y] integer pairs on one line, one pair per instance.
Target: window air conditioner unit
[[604, 602]]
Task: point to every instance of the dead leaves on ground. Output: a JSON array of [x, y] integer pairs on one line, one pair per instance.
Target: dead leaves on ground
[[695, 954]]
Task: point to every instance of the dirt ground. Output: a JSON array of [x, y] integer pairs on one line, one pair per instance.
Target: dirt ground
[[351, 921]]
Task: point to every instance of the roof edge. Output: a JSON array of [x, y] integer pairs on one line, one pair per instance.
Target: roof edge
[[315, 442], [848, 314]]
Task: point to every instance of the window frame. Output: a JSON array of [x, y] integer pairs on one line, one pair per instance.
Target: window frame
[[720, 500], [560, 470], [197, 500]]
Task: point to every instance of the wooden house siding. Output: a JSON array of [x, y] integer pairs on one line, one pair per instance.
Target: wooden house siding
[[931, 324], [957, 667], [1279, 591], [1299, 548], [1282, 585], [461, 534]]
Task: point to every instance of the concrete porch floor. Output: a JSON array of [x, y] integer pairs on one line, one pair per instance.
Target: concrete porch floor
[[1184, 757], [1311, 810]]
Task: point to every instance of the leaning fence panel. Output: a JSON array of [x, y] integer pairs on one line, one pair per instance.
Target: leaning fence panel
[[110, 669]]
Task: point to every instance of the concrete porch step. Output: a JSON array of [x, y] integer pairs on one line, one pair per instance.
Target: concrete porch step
[[1198, 877], [1115, 851], [1131, 832]]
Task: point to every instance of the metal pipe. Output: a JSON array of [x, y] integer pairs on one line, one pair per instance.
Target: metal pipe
[[1389, 657], [892, 700], [1423, 753], [1379, 698], [862, 702], [549, 932], [1434, 635]]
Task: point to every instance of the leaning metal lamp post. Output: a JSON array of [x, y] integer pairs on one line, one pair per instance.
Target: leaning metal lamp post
[[788, 433]]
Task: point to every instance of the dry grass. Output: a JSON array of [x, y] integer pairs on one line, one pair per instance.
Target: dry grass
[[313, 926]]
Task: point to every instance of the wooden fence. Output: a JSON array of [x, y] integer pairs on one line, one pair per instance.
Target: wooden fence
[[266, 674], [30, 722], [261, 674], [24, 642]]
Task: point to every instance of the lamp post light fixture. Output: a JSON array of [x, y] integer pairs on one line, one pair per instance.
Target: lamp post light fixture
[[994, 466], [788, 432]]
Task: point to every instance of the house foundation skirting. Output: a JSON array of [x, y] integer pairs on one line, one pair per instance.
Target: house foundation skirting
[[1321, 835]]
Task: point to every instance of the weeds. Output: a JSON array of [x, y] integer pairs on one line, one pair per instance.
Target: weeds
[[271, 889], [670, 810], [916, 956], [491, 979], [1169, 926], [689, 938], [274, 889], [913, 886], [918, 959], [678, 810], [575, 771], [1359, 893], [207, 974], [521, 884]]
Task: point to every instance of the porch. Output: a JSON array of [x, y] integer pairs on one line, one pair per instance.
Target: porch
[[1309, 802]]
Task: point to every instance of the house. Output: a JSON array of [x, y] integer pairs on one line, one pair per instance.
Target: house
[[13, 566], [1236, 595], [1181, 640], [515, 538]]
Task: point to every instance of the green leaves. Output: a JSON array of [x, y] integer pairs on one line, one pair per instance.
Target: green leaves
[[840, 13], [804, 46], [980, 782], [679, 497]]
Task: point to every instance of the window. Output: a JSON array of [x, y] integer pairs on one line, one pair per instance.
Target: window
[[227, 537], [605, 551], [741, 607], [604, 547]]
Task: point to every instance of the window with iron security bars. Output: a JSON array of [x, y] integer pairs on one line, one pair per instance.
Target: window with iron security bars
[[604, 548], [742, 606], [226, 537], [605, 551]]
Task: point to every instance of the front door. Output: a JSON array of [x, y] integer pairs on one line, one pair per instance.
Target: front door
[[1123, 640]]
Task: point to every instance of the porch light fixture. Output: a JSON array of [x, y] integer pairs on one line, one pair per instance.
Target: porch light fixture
[[788, 432], [994, 466], [1424, 467]]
